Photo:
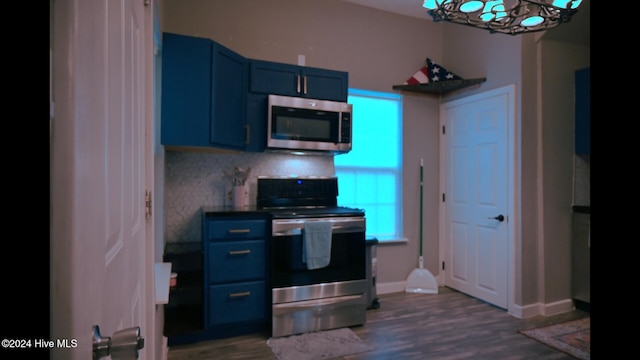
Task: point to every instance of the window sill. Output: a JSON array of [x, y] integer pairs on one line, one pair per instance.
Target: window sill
[[391, 240]]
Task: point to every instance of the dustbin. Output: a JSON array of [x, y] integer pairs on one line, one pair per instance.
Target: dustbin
[[371, 295]]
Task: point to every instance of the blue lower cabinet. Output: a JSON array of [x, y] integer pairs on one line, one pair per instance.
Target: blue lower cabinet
[[236, 261], [237, 299], [236, 303]]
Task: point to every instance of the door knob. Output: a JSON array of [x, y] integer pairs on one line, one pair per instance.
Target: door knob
[[124, 344], [499, 218]]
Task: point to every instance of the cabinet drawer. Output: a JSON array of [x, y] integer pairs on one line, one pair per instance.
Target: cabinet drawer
[[224, 229], [236, 261], [236, 302]]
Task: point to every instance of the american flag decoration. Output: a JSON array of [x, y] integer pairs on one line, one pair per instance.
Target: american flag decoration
[[431, 72], [420, 77]]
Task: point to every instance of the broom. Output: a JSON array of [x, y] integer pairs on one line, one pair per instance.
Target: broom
[[421, 280]]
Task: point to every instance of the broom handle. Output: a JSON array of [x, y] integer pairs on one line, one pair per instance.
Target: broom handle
[[421, 165]]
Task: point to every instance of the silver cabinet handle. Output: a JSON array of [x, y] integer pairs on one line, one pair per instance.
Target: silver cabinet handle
[[298, 86], [239, 252], [240, 294], [239, 231]]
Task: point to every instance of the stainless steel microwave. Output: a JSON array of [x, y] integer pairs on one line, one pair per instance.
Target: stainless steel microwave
[[308, 125]]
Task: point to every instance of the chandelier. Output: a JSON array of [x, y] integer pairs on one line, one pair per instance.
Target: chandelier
[[504, 16]]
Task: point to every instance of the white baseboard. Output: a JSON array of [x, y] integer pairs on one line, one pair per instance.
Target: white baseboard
[[558, 307], [165, 348], [521, 312], [540, 309], [392, 287]]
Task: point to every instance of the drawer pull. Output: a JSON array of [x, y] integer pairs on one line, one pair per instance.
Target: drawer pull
[[239, 231], [240, 294], [240, 252]]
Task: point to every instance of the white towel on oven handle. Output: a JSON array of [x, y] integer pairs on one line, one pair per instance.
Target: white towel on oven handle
[[316, 244]]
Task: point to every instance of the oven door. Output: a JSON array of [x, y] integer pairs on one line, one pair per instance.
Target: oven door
[[348, 253], [306, 300]]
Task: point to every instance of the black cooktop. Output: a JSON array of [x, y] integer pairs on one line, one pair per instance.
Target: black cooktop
[[301, 197]]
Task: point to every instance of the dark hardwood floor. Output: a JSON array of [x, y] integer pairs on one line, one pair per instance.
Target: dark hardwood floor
[[446, 326]]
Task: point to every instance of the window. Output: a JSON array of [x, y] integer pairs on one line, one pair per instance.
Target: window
[[369, 175]]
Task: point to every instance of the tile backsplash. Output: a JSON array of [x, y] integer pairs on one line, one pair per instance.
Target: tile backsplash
[[197, 179]]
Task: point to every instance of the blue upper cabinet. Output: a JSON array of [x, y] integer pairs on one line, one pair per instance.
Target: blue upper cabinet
[[583, 113], [204, 88], [213, 97], [268, 77]]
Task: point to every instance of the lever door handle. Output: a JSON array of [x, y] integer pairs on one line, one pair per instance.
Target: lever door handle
[[499, 218]]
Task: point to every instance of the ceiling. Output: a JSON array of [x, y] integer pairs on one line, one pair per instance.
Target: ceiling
[[576, 31], [411, 8]]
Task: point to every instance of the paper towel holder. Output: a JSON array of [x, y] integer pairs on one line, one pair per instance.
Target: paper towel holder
[[124, 344]]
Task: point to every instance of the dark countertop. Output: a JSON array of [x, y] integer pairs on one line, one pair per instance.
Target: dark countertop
[[188, 247], [581, 209], [231, 209]]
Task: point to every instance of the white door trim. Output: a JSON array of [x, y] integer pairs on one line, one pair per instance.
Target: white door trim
[[513, 183]]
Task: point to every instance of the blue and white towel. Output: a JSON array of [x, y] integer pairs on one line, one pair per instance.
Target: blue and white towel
[[316, 247]]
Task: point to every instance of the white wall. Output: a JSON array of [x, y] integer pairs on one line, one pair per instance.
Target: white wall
[[557, 162]]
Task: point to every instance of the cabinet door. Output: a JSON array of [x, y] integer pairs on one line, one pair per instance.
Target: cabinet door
[[268, 77], [581, 257], [325, 84], [228, 91], [583, 113], [256, 122], [204, 88], [186, 91], [292, 80]]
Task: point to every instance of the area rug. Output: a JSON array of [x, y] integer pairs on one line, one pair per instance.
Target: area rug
[[572, 337], [318, 345]]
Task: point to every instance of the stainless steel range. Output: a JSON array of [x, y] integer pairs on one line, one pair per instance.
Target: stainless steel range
[[308, 299]]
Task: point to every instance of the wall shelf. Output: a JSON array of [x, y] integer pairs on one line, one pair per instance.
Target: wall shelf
[[440, 87]]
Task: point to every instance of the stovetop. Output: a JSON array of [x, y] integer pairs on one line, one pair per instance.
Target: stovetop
[[302, 197]]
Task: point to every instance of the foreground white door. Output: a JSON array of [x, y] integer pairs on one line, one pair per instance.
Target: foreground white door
[[476, 209], [100, 272]]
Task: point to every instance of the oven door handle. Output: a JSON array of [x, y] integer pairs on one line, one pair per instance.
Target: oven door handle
[[338, 226], [291, 307], [336, 229]]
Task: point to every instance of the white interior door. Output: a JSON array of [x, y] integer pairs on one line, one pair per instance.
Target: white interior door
[[99, 270], [476, 209]]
